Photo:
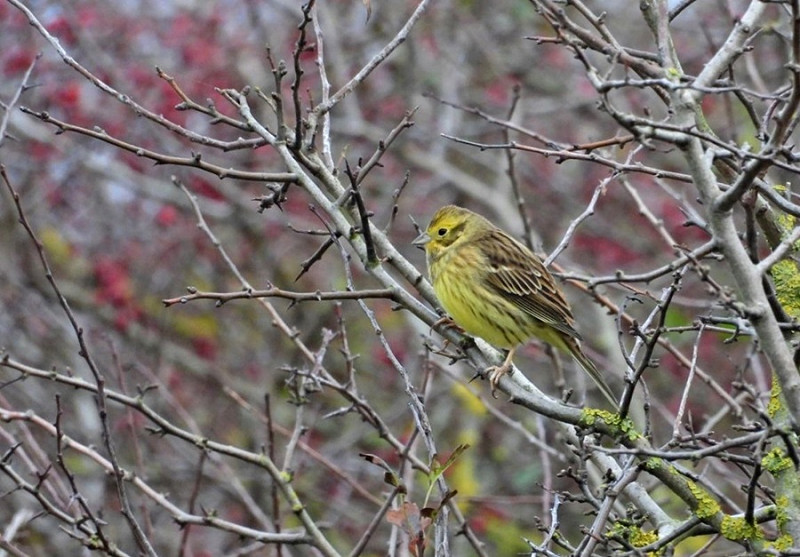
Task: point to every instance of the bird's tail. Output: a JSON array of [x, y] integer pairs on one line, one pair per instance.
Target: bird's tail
[[588, 366]]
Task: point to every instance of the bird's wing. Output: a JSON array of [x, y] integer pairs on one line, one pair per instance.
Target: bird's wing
[[520, 277]]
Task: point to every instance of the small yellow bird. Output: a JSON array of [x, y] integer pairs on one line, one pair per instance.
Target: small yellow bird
[[497, 289]]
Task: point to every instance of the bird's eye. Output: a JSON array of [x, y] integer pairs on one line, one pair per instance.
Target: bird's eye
[[442, 231]]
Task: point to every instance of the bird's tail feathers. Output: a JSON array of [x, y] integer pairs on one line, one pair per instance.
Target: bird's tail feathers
[[588, 366]]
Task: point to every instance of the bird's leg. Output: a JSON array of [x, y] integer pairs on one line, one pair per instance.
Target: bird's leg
[[496, 372]]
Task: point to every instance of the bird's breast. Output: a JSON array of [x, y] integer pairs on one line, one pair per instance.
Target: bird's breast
[[460, 284]]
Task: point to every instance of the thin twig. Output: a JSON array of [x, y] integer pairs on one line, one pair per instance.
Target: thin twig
[[12, 103], [274, 292], [127, 511]]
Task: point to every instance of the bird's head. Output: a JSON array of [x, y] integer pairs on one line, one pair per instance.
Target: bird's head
[[449, 225]]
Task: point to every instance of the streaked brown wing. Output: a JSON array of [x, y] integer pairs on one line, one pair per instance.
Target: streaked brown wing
[[520, 277]]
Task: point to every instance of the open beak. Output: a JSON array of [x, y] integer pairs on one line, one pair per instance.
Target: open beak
[[421, 240]]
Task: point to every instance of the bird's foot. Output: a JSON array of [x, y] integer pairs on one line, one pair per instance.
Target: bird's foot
[[447, 323], [495, 373]]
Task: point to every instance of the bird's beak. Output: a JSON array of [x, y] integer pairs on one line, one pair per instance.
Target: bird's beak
[[421, 240]]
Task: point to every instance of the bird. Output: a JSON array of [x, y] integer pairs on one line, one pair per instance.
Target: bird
[[495, 288]]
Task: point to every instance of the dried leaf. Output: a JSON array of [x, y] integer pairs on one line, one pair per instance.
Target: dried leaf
[[368, 5], [389, 476]]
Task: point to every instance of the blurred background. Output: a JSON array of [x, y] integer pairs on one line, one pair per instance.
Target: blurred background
[[121, 237]]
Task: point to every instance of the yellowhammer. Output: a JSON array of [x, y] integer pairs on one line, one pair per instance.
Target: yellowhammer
[[497, 289]]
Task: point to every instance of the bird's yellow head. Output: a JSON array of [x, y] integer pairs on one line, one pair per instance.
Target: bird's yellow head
[[449, 225]]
